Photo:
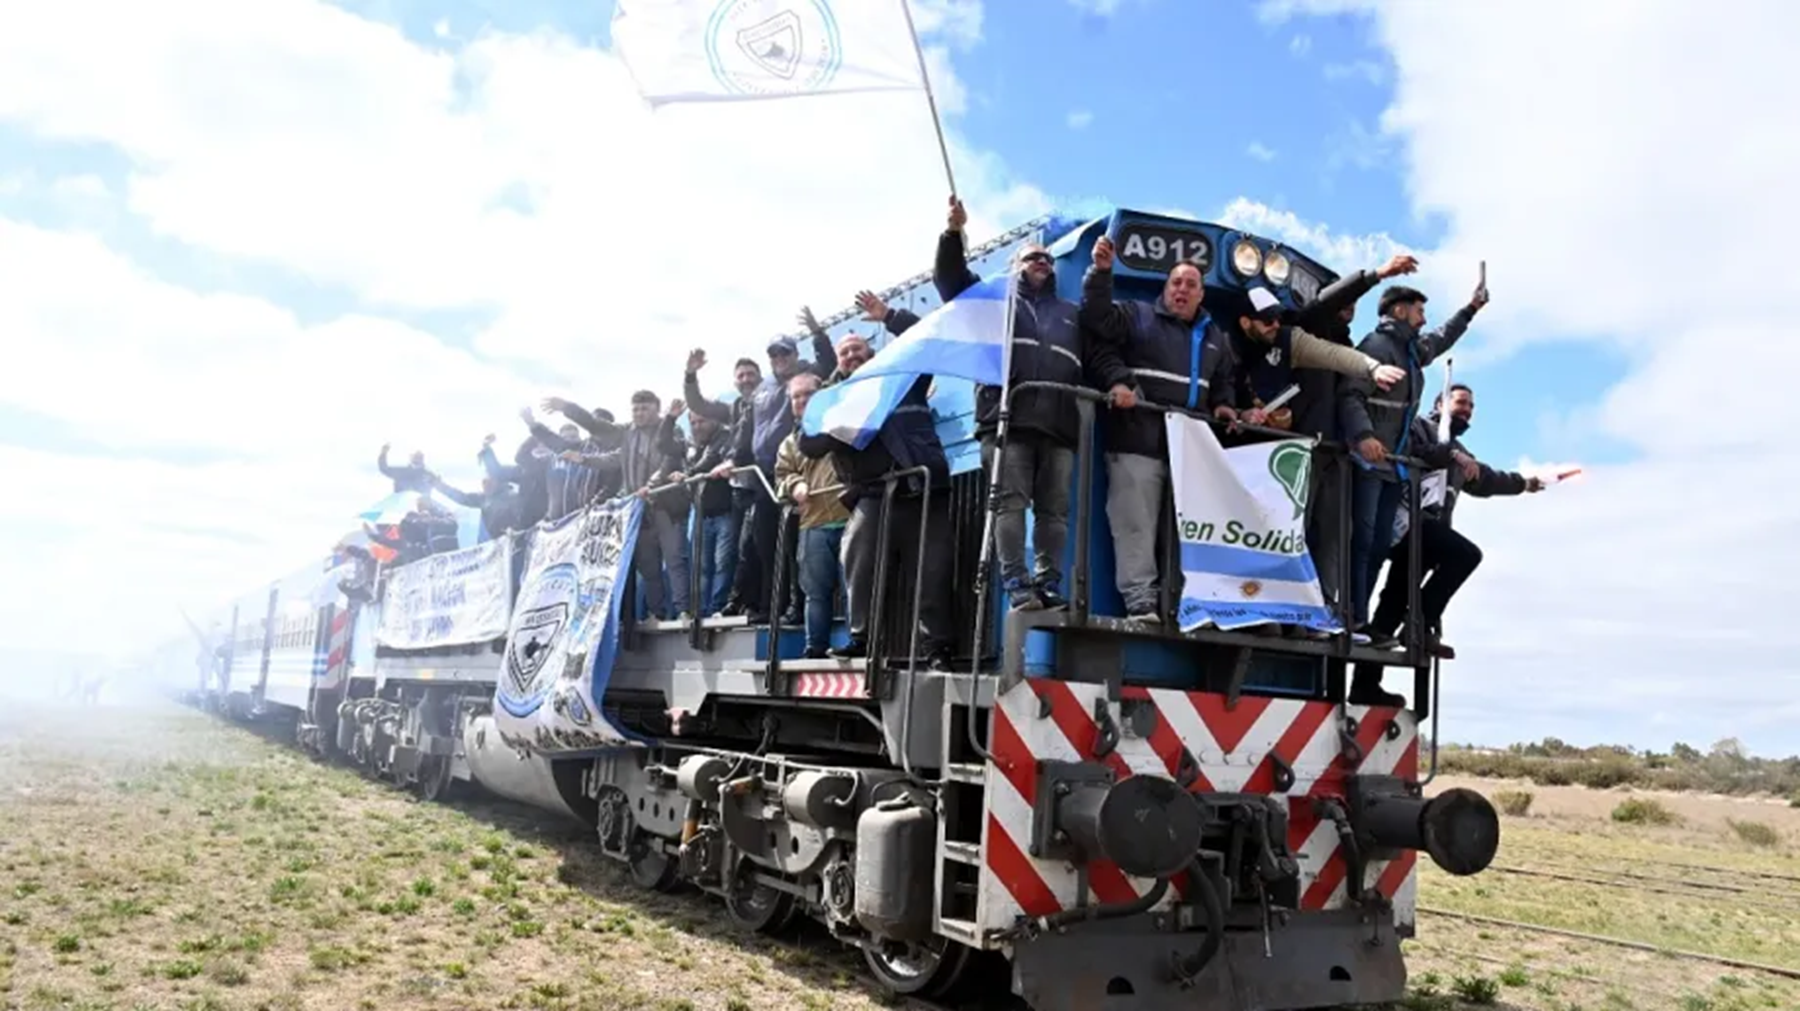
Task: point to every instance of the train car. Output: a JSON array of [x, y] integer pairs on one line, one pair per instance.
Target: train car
[[1130, 815]]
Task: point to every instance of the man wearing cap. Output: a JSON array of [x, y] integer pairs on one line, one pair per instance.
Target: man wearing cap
[[1038, 464], [1378, 424], [746, 376], [771, 419], [1268, 353]]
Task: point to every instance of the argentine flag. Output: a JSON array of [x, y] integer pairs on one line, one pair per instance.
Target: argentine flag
[[965, 338]]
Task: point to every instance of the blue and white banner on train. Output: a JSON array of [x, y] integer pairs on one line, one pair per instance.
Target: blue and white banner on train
[[565, 633], [1241, 517], [458, 598]]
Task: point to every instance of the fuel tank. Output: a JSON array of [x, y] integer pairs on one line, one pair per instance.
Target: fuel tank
[[526, 778]]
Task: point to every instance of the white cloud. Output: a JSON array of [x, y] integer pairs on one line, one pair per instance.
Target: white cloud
[[1098, 8], [1300, 45], [1343, 253], [1260, 151], [1647, 586], [516, 179], [1078, 119]]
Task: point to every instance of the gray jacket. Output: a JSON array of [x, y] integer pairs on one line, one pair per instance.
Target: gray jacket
[[1366, 411]]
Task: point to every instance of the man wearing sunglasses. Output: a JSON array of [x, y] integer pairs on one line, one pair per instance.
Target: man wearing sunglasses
[[1038, 465]]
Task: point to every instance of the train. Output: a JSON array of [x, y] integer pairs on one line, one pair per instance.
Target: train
[[1128, 815]]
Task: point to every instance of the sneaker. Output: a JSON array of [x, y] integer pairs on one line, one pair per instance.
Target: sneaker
[[853, 650], [732, 609], [815, 653], [1049, 599], [1372, 695], [756, 617], [1377, 640], [1024, 598], [1144, 617], [793, 619]]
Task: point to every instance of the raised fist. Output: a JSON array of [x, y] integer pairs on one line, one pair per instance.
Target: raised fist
[[958, 217], [696, 360], [1103, 253]]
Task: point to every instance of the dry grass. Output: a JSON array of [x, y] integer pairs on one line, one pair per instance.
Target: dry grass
[[157, 859]]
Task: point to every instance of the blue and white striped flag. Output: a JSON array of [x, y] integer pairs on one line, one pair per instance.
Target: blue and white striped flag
[[965, 338]]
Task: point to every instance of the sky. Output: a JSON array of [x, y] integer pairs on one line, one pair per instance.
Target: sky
[[244, 244]]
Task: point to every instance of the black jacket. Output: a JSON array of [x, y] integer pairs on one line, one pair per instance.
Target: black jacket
[[530, 471], [1049, 345], [500, 510], [1488, 482], [1150, 349], [1315, 409], [907, 439], [1387, 415], [702, 457]]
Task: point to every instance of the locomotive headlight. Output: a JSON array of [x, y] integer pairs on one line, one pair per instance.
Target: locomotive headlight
[[1246, 258], [1276, 267]]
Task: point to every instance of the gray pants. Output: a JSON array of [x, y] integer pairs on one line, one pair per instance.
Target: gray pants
[[660, 545], [1136, 495], [861, 538], [1326, 501], [1034, 471]]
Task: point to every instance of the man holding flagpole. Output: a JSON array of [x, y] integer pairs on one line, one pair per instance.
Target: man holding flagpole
[[1038, 463]]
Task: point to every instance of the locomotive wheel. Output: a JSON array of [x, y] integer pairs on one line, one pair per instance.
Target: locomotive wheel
[[434, 780], [931, 968], [651, 866], [761, 908]]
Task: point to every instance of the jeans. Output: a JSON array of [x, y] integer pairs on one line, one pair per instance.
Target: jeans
[[662, 543], [718, 560], [1034, 471], [821, 573], [861, 536], [1136, 488], [1372, 534]]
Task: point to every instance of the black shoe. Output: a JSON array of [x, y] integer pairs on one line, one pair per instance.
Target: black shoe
[[732, 609], [815, 653], [1050, 600], [756, 617], [1379, 640], [1370, 694], [793, 619], [855, 649]]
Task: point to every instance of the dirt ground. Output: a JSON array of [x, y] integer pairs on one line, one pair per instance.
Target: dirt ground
[[151, 857]]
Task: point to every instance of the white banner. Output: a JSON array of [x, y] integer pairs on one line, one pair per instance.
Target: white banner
[[1241, 517], [723, 50], [565, 633], [457, 598]]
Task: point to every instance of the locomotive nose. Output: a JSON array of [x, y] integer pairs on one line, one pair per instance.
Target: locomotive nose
[[1150, 827]]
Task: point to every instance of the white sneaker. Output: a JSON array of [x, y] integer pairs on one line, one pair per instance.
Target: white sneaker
[[1145, 618]]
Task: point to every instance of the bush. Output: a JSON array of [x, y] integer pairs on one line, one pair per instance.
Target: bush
[[1475, 989], [1513, 802], [1644, 811], [1756, 833]]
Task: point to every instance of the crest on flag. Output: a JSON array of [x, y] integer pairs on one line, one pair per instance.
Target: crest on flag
[[772, 47]]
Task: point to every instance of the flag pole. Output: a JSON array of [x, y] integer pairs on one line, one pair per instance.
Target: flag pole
[[930, 99]]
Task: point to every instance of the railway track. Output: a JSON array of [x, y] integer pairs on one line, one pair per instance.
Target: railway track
[[1742, 895], [1785, 972]]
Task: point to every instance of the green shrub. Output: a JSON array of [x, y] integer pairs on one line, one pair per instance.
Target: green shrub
[[1513, 802], [1475, 989], [1644, 811]]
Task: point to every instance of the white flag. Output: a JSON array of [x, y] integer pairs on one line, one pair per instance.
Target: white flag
[[732, 50]]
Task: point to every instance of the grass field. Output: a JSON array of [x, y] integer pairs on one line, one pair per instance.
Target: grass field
[[151, 857]]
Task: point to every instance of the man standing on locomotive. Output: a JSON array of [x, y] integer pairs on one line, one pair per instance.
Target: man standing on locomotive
[[1170, 353], [1446, 558], [1376, 426], [1038, 465], [809, 482]]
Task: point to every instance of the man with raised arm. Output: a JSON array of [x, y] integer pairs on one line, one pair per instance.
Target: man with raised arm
[[1038, 465], [771, 420], [1379, 423], [711, 448], [1315, 412], [412, 477], [740, 571], [1446, 557], [1169, 353], [498, 501], [568, 486], [650, 456], [907, 440]]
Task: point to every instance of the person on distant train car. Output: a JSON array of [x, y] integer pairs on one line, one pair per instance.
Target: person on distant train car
[[428, 529], [1315, 411], [710, 448], [1037, 469], [770, 422], [738, 418], [822, 520], [529, 472], [1170, 353], [568, 486], [603, 432], [650, 456], [1447, 558], [1377, 425], [412, 477], [498, 501], [907, 440]]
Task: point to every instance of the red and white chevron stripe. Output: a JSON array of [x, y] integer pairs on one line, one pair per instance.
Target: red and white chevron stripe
[[337, 652], [829, 686], [1235, 748]]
